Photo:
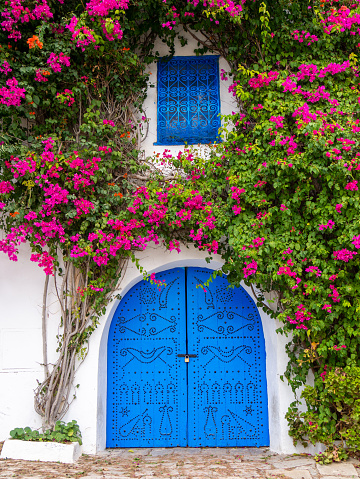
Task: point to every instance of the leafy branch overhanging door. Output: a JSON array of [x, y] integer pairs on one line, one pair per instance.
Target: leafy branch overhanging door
[[218, 397]]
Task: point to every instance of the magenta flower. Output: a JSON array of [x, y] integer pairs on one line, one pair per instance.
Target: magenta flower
[[83, 206], [5, 187], [330, 224], [352, 186], [344, 255], [45, 261], [278, 120], [334, 295], [250, 268], [5, 68], [338, 207], [356, 241], [338, 348], [313, 269], [327, 307], [55, 61], [12, 95], [236, 209], [301, 315]]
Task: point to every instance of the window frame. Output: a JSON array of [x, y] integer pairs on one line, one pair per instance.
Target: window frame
[[162, 135]]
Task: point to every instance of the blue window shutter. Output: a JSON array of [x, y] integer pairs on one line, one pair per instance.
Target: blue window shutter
[[188, 100]]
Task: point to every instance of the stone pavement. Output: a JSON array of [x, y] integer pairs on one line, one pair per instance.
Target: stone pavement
[[183, 463]]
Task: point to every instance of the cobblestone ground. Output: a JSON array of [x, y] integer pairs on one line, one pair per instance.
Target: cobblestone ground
[[182, 463]]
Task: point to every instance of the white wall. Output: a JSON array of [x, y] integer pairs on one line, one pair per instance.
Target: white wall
[[227, 102], [92, 389], [21, 290]]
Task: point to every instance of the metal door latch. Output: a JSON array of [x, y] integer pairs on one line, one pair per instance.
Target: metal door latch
[[187, 356]]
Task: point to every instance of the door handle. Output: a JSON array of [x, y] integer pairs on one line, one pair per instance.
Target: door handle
[[187, 356]]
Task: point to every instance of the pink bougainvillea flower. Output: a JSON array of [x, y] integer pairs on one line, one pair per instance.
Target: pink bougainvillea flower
[[356, 241], [250, 268], [338, 207], [352, 186], [344, 255]]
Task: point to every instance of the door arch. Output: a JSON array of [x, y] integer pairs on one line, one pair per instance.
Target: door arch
[[155, 398]]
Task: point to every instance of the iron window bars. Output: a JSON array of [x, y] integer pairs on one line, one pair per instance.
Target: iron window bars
[[188, 105]]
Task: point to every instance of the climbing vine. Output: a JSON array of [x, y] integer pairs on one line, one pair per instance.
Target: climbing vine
[[283, 193], [277, 198]]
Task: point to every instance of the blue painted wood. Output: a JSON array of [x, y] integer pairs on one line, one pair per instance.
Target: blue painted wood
[[188, 106], [155, 399], [147, 390], [227, 383]]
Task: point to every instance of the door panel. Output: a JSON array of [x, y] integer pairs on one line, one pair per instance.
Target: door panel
[[227, 381], [156, 399], [147, 389]]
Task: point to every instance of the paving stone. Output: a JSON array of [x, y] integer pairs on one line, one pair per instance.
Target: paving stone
[[294, 474], [215, 451], [241, 451], [187, 451], [161, 452], [116, 472], [175, 463], [282, 458], [337, 469], [136, 452], [335, 477], [312, 469], [252, 451], [291, 463]]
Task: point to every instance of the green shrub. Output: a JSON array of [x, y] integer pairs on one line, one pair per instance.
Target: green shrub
[[62, 432]]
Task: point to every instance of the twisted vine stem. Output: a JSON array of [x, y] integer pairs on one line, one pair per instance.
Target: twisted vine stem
[[79, 316]]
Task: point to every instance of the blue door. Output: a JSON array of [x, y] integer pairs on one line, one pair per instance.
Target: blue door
[[227, 383], [147, 390], [157, 397]]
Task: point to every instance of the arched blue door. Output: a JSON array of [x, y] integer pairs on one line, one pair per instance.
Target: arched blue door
[[218, 397]]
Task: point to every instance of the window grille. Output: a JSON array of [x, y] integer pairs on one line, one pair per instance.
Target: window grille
[[188, 100]]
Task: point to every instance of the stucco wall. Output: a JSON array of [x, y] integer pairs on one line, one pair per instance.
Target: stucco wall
[[21, 290]]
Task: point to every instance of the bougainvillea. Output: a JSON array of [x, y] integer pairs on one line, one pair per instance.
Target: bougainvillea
[[278, 198], [293, 153]]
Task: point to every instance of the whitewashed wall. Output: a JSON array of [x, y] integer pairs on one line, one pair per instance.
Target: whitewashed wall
[[21, 290]]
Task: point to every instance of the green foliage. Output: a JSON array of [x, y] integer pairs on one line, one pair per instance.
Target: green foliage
[[332, 454], [26, 434], [62, 432], [296, 177], [279, 197], [333, 412]]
